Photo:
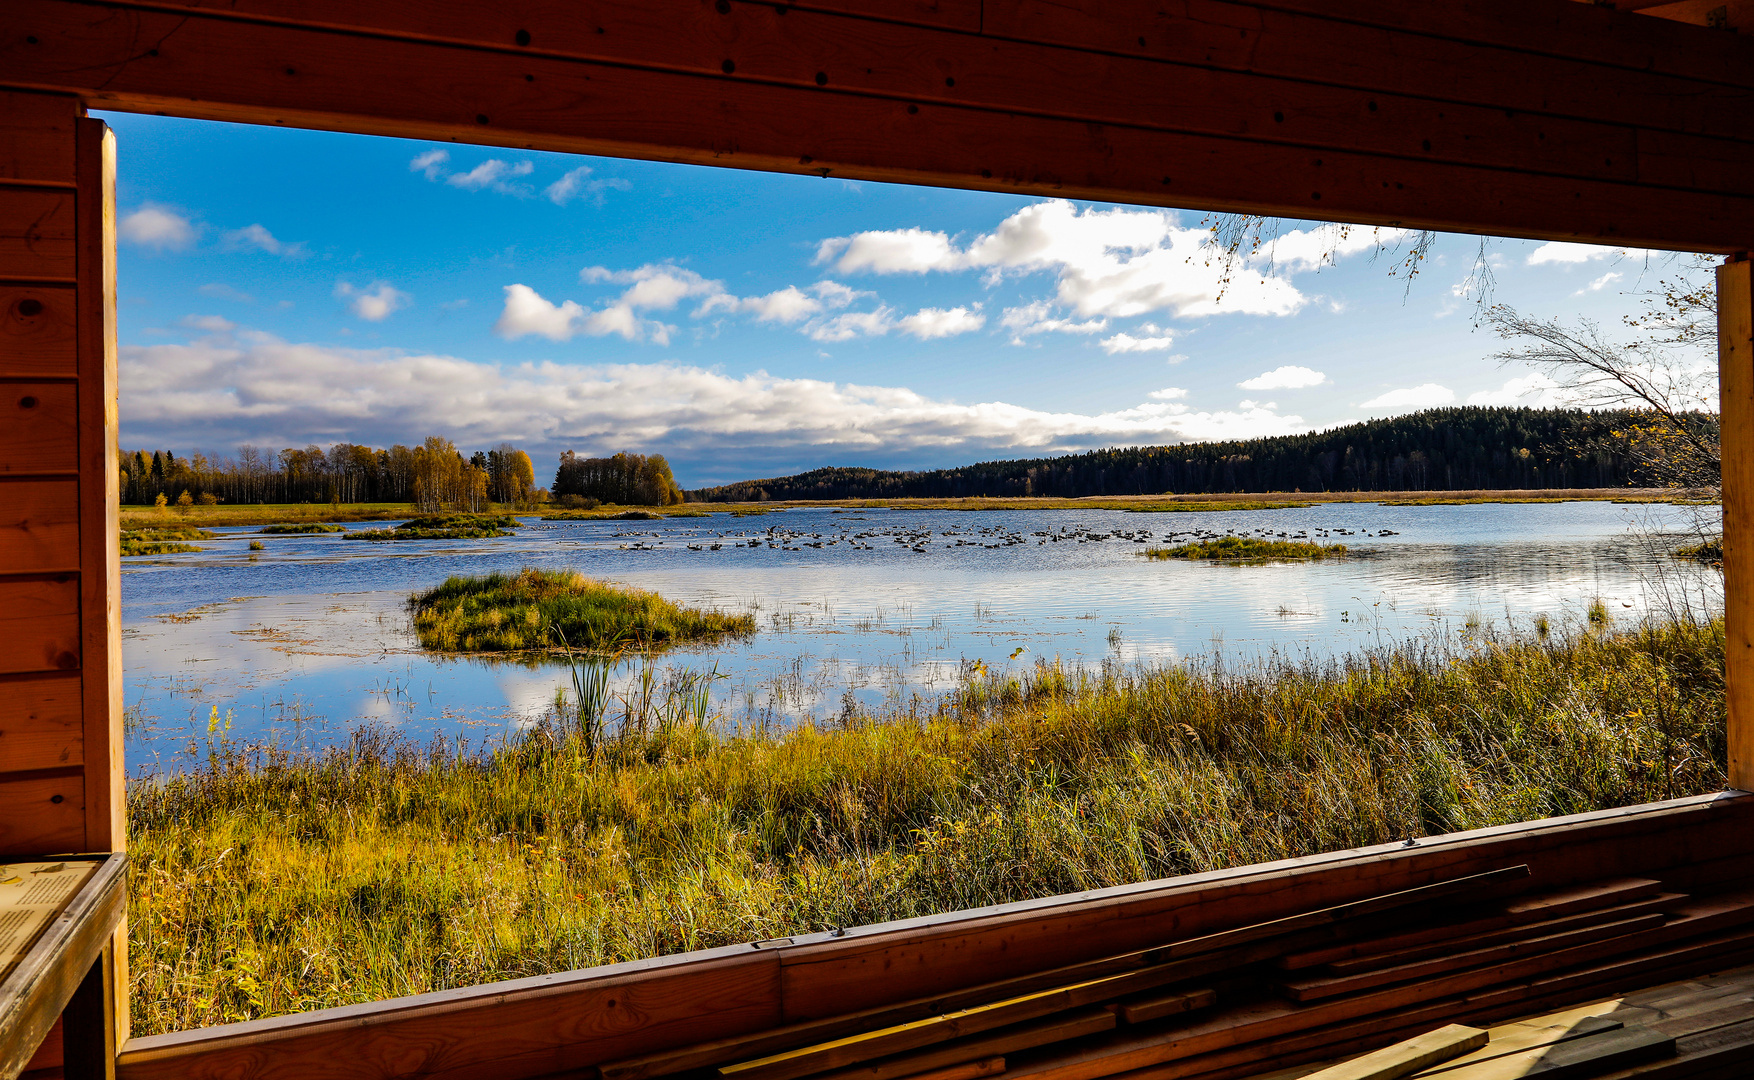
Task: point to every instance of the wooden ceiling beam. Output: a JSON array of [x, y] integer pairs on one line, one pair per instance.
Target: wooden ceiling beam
[[1302, 116]]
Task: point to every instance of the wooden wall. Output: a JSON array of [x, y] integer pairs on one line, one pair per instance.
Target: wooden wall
[[1535, 118], [60, 608]]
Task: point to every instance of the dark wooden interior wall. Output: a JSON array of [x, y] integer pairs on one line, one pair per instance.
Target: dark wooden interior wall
[[60, 602], [1539, 118], [1533, 118]]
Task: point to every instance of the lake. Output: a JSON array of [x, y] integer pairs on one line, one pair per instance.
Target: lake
[[304, 641]]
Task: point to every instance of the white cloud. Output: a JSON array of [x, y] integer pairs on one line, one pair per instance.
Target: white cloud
[[496, 174], [1290, 377], [1558, 251], [527, 313], [253, 386], [897, 251], [1127, 343], [653, 287], [1168, 393], [577, 183], [211, 324], [1042, 318], [1423, 396], [431, 163], [929, 323], [225, 292], [258, 237], [1107, 263], [1534, 390], [158, 227], [1310, 249], [375, 302], [853, 324], [1600, 283]]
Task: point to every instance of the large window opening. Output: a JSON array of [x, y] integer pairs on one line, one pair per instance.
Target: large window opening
[[1145, 655]]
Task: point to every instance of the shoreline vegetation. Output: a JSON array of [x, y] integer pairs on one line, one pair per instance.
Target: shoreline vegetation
[[266, 881], [559, 610], [443, 527], [162, 540], [222, 516], [1246, 549]]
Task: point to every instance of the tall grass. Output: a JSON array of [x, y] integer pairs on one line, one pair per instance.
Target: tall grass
[[265, 882], [557, 609]]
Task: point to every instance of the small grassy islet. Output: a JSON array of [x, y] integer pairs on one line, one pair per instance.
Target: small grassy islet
[[300, 528], [548, 609], [1248, 549], [163, 540], [443, 527]]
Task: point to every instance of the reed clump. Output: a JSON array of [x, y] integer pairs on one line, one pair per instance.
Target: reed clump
[[443, 527], [162, 540], [267, 882], [1247, 549], [558, 609], [300, 528]]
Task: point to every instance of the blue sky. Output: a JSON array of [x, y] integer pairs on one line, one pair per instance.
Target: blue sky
[[290, 287]]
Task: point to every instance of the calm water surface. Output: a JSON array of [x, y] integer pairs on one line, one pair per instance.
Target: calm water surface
[[304, 641]]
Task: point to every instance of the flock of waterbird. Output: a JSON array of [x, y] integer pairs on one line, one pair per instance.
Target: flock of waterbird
[[860, 535]]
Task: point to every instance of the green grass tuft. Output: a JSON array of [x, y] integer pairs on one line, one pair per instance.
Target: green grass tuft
[[1709, 551], [162, 540], [545, 609], [302, 528], [443, 527], [1247, 549]]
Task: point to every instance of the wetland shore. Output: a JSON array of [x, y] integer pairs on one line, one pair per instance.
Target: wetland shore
[[267, 881]]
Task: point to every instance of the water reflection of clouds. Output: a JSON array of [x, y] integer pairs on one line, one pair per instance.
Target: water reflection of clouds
[[322, 643]]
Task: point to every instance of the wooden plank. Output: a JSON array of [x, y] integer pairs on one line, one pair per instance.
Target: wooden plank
[[39, 525], [1556, 29], [100, 600], [38, 331], [792, 47], [1735, 345], [538, 102], [992, 1066], [1409, 1056], [41, 812], [524, 1027], [51, 972], [36, 137], [1516, 1037], [503, 1031], [866, 1045], [36, 233], [1462, 889], [1469, 942], [1312, 989], [1591, 1056], [1319, 45], [1062, 1028], [1155, 1008], [1132, 1049], [1518, 911], [39, 427], [1201, 76], [39, 623], [917, 957], [40, 722]]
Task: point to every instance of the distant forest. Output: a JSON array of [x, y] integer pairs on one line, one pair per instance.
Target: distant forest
[[1435, 450], [433, 475]]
